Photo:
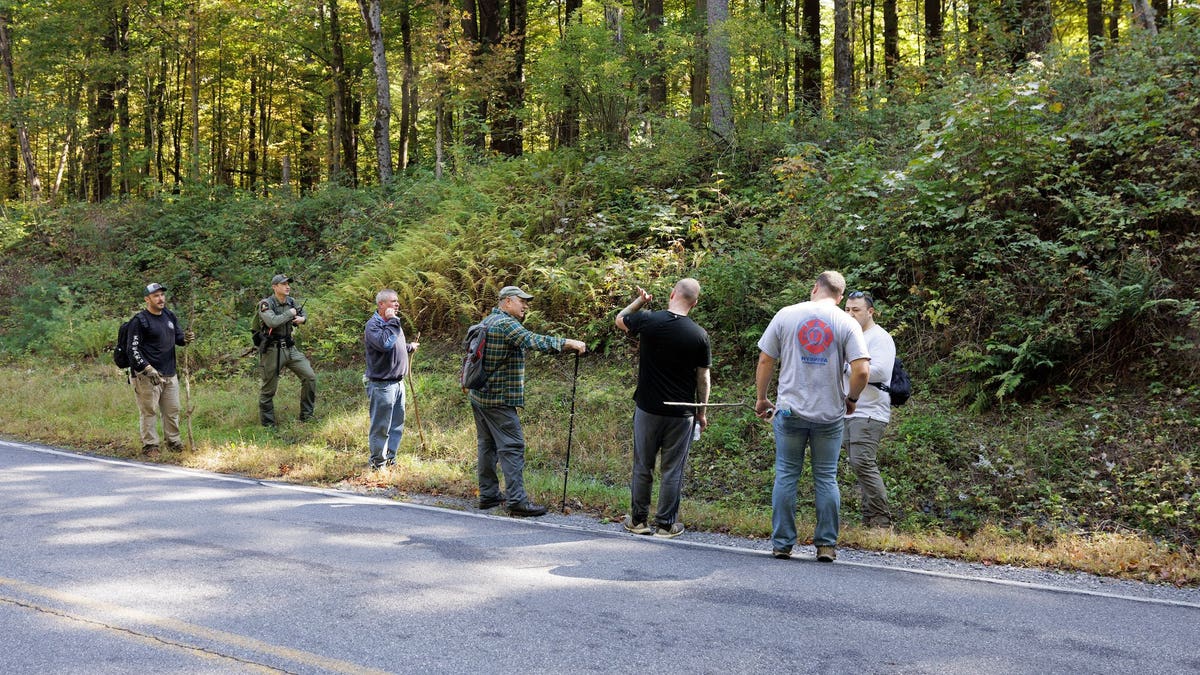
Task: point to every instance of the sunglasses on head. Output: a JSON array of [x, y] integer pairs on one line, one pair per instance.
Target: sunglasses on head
[[854, 295]]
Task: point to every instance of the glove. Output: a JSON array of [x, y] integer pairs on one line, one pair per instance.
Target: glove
[[151, 374], [189, 336]]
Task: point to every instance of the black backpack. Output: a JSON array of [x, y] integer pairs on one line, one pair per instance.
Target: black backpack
[[121, 349], [900, 388], [471, 374]]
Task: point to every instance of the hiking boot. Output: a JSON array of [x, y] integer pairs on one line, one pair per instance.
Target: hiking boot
[[486, 503], [149, 448], [826, 553], [526, 509], [781, 553], [669, 532], [880, 522], [640, 527], [175, 447]]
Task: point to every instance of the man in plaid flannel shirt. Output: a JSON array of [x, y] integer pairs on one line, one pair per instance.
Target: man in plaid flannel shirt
[[497, 427]]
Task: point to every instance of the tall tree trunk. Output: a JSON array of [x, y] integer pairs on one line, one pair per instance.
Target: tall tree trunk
[[1039, 25], [699, 80], [194, 87], [382, 128], [720, 84], [843, 56], [810, 63], [1161, 9], [480, 20], [1143, 16], [1095, 30], [252, 127], [933, 33], [441, 84], [408, 93], [22, 131], [343, 167], [507, 126], [122, 96], [567, 130], [1114, 21], [652, 18], [891, 41]]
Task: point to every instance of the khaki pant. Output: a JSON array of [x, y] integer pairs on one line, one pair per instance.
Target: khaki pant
[[155, 400], [862, 443]]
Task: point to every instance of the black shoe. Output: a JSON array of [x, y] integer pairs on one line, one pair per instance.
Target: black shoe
[[782, 553], [526, 509], [486, 503]]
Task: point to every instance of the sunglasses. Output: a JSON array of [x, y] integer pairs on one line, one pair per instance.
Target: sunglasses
[[854, 295]]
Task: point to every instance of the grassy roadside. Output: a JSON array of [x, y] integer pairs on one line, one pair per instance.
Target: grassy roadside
[[727, 488]]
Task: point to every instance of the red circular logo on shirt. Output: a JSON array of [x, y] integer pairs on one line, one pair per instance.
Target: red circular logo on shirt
[[815, 336]]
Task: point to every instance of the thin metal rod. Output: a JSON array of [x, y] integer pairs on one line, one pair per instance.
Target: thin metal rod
[[570, 433]]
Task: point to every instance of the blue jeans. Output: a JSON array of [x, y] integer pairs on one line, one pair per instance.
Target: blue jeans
[[386, 405], [792, 434]]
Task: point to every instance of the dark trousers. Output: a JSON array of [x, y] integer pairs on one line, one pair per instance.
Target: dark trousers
[[652, 434], [500, 440]]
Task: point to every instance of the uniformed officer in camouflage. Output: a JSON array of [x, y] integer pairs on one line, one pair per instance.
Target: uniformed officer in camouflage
[[275, 322]]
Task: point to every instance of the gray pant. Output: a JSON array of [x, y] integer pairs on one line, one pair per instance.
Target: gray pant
[[673, 435], [500, 438], [862, 443]]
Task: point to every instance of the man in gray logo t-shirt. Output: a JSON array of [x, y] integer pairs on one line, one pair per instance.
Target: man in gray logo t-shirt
[[812, 342]]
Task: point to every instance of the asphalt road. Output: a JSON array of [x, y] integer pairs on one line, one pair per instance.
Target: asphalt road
[[109, 566]]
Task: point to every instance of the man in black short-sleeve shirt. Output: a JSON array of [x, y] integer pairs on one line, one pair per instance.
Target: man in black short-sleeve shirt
[[673, 366]]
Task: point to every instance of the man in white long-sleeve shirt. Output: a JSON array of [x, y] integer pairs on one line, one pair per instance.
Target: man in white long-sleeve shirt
[[865, 426]]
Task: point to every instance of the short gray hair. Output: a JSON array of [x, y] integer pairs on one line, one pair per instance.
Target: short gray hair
[[385, 294]]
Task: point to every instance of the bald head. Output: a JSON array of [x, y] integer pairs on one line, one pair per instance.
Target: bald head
[[684, 296]]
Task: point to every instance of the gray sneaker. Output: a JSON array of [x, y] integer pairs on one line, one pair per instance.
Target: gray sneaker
[[671, 532], [639, 527]]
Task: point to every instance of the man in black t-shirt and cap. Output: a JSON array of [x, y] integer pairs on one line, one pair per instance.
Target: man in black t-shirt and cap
[[673, 366], [153, 335]]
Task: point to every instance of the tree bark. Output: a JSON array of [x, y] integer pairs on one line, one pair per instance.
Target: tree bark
[[507, 125], [891, 42], [1095, 30], [22, 131], [699, 80], [933, 33], [408, 93], [810, 62], [719, 82], [567, 129], [343, 166], [843, 56], [373, 17], [1143, 16]]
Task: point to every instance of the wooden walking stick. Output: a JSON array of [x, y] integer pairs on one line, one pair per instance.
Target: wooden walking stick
[[412, 389], [187, 370]]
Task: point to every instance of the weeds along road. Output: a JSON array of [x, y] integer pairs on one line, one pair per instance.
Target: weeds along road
[[108, 566]]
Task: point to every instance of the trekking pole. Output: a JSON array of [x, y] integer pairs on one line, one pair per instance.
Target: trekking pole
[[412, 389], [570, 433], [187, 369]]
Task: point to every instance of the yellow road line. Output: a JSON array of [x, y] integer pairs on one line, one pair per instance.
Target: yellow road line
[[129, 615]]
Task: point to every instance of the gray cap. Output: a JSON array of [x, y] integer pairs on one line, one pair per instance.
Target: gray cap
[[281, 279], [154, 288], [510, 291]]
